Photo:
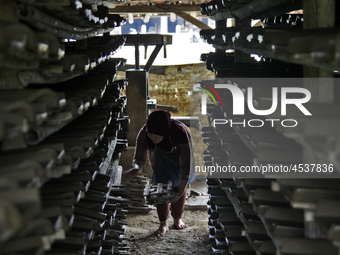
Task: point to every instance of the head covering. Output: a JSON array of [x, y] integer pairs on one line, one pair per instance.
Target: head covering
[[158, 123]]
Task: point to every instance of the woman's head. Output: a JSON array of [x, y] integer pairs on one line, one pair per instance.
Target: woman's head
[[158, 125], [155, 138]]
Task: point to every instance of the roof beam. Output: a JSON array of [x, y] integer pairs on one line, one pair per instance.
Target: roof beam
[[193, 20]]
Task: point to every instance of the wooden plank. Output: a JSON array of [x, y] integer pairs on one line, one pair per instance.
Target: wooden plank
[[193, 207], [148, 39]]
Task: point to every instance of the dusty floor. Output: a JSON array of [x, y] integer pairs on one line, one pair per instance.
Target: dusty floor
[[193, 240]]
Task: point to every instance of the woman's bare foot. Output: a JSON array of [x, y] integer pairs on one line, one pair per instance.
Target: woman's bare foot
[[163, 227], [179, 224]]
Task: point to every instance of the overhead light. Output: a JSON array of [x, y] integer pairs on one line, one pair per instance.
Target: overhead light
[[147, 17], [130, 17], [173, 17]]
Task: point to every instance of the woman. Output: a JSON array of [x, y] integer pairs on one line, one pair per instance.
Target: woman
[[170, 150]]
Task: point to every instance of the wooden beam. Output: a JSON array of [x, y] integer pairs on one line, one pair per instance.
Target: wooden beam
[[158, 8], [153, 57], [193, 20], [148, 39]]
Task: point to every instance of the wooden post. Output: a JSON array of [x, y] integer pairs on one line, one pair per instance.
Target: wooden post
[[319, 14], [241, 57], [136, 107]]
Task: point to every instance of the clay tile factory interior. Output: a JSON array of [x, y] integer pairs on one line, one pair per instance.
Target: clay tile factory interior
[[177, 127]]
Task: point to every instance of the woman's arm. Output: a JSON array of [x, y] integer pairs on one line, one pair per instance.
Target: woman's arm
[[185, 159], [139, 158]]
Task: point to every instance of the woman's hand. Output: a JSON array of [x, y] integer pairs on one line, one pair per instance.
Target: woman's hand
[[137, 168], [131, 173]]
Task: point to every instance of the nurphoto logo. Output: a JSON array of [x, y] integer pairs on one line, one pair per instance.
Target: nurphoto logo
[[239, 103]]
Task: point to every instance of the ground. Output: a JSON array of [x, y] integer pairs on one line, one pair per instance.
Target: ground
[[192, 240]]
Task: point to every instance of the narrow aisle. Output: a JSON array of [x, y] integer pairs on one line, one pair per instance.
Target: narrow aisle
[[192, 240]]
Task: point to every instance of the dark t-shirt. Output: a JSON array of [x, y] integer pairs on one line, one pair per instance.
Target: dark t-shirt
[[178, 137]]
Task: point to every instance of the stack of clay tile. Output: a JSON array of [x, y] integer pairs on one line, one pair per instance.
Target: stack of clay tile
[[136, 187]]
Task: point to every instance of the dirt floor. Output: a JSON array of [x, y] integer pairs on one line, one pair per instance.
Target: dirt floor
[[193, 240]]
